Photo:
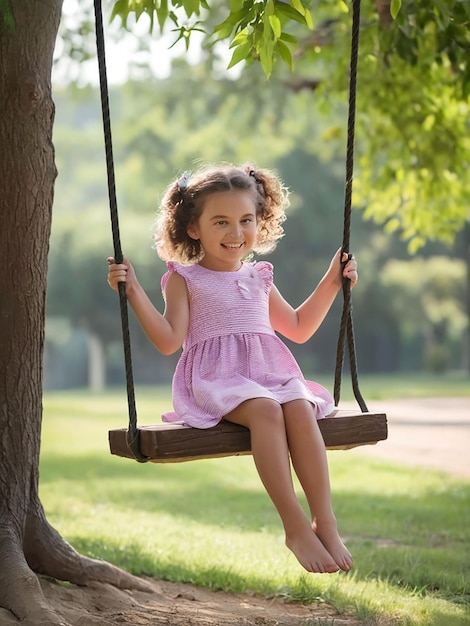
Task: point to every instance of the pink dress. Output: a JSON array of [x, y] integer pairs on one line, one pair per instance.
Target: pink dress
[[231, 352]]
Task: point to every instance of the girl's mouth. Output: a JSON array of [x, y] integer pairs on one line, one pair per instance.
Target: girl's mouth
[[232, 246]]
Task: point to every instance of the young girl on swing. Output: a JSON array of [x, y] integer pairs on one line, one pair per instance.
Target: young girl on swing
[[224, 311]]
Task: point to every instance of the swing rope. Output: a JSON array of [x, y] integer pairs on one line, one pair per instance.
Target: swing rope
[[346, 324], [133, 432]]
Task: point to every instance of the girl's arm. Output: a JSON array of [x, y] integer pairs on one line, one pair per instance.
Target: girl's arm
[[301, 323], [166, 331]]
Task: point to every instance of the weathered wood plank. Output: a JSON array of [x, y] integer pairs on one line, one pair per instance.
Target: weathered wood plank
[[170, 443]]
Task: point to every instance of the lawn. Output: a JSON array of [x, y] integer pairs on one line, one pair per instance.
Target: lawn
[[211, 523]]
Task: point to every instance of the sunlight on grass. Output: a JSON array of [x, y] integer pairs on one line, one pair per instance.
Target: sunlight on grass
[[211, 522], [403, 385]]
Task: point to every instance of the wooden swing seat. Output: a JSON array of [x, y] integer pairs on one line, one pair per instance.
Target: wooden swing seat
[[173, 443]]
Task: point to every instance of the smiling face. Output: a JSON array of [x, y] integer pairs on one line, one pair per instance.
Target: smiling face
[[226, 229]]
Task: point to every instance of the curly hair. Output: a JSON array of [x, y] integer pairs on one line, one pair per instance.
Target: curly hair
[[183, 203]]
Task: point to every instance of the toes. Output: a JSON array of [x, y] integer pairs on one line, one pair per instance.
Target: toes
[[345, 563]]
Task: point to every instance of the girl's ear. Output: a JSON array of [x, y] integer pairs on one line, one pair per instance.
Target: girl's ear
[[193, 231]]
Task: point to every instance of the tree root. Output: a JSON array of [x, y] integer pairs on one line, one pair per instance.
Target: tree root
[[49, 554], [20, 591], [45, 552]]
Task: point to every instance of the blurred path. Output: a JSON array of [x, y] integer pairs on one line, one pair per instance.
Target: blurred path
[[425, 432]]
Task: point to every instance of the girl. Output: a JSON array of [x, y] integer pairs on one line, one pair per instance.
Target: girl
[[224, 312]]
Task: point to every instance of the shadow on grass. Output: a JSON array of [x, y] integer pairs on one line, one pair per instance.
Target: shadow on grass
[[418, 540], [306, 589], [139, 562], [176, 487], [200, 492]]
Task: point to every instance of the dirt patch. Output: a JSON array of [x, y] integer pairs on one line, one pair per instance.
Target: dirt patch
[[173, 604]]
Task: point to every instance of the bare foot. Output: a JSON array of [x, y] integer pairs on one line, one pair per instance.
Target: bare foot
[[311, 553], [329, 537]]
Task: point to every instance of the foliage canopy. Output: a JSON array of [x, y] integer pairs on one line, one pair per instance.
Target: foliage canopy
[[413, 99]]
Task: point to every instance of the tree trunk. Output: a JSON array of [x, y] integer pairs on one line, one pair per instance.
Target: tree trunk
[[27, 173]]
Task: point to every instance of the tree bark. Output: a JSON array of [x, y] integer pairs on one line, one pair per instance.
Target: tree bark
[[27, 173]]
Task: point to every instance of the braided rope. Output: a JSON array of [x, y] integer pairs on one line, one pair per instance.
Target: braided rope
[[346, 324], [133, 438]]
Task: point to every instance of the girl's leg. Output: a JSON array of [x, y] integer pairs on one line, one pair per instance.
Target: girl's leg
[[265, 419], [308, 455]]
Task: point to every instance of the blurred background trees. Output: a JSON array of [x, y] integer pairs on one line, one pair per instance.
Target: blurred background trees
[[412, 152]]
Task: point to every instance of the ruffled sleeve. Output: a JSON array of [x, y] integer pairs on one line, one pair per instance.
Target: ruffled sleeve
[[265, 270], [171, 268]]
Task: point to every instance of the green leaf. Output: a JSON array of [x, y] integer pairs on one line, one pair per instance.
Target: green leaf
[[120, 9], [289, 38], [236, 5], [225, 28], [266, 54], [392, 226], [173, 18], [275, 23], [289, 12], [240, 54], [308, 19], [298, 6], [139, 9], [267, 30], [240, 38], [162, 13], [415, 244], [395, 7], [191, 7], [266, 63], [285, 54], [269, 8]]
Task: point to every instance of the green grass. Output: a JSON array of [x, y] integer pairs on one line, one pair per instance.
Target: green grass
[[404, 385], [211, 523]]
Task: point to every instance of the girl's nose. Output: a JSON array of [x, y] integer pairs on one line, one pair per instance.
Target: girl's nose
[[235, 232]]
